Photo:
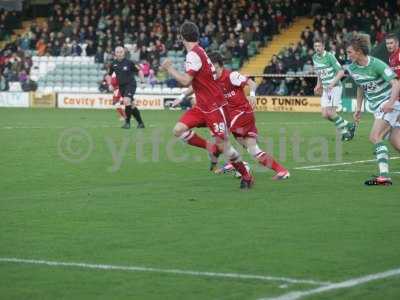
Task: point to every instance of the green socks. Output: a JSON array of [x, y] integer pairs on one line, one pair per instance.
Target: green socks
[[382, 157]]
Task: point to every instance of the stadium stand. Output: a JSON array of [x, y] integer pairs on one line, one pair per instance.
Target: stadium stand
[[72, 47], [335, 27]]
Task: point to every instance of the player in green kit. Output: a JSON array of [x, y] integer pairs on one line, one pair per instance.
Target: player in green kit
[[329, 73], [378, 86]]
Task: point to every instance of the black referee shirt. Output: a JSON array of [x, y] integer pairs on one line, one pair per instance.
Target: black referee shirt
[[125, 71]]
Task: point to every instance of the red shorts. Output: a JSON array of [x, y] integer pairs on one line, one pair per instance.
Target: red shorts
[[243, 124], [216, 121]]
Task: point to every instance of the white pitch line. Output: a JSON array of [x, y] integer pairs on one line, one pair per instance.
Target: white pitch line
[[340, 170], [335, 286], [341, 164], [290, 123], [158, 270], [57, 127]]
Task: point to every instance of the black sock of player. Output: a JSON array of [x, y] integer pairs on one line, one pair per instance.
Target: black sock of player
[[136, 115], [128, 112]]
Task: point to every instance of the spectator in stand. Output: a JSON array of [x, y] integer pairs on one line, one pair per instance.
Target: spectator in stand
[[160, 48], [27, 84], [266, 87], [41, 47], [145, 68], [231, 42], [75, 28], [55, 49], [241, 51], [4, 86], [90, 48], [76, 50]]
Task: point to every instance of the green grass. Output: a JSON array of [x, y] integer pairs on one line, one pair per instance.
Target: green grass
[[140, 198]]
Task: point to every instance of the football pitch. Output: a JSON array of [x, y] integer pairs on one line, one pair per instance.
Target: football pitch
[[91, 211]]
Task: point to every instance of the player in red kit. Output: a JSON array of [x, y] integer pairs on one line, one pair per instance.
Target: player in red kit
[[241, 115], [118, 100], [113, 84], [392, 45], [210, 108]]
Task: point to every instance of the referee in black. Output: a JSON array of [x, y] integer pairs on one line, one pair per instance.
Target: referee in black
[[125, 70]]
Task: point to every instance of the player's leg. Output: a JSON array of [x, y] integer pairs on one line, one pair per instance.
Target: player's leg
[[395, 135], [118, 102], [134, 110], [378, 131], [128, 112], [217, 123], [243, 128], [136, 114], [120, 107], [183, 130], [330, 102], [233, 156], [395, 138], [264, 158]]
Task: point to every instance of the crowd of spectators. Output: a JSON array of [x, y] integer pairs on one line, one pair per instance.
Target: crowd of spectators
[[149, 29], [15, 66], [334, 24], [14, 63], [9, 20]]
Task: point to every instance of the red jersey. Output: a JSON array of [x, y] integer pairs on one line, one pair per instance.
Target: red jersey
[[232, 84], [394, 62], [209, 96]]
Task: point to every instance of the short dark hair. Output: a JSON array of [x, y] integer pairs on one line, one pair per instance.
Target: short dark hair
[[392, 36], [189, 32], [216, 58]]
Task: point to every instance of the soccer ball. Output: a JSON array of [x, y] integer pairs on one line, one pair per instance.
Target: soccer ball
[[228, 168]]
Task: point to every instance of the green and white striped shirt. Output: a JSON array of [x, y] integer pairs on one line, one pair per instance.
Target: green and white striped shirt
[[374, 79], [326, 66]]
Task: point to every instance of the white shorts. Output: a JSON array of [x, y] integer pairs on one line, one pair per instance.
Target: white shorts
[[332, 98], [392, 118]]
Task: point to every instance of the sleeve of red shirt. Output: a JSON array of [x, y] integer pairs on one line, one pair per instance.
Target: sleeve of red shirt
[[238, 79], [193, 63]]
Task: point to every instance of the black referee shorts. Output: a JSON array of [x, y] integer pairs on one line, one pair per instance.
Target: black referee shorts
[[128, 91]]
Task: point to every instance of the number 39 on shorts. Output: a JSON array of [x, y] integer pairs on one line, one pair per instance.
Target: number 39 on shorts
[[219, 127]]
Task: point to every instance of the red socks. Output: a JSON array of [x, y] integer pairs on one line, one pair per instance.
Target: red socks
[[241, 168], [193, 139], [269, 162]]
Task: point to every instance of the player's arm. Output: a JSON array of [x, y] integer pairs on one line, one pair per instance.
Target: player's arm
[[394, 96], [189, 91], [241, 81], [252, 97], [253, 86], [338, 77], [183, 78], [318, 86], [389, 76], [339, 71], [360, 99]]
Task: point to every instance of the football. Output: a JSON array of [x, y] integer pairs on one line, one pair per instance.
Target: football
[[228, 168]]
